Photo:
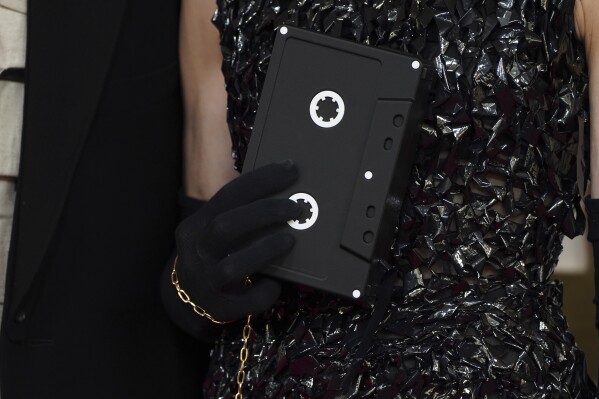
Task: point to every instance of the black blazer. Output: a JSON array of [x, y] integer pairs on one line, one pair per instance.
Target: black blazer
[[97, 207]]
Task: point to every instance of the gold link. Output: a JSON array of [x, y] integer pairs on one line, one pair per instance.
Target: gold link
[[183, 295], [240, 377], [243, 354]]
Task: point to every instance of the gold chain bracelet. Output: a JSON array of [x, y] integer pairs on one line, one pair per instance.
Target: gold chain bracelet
[[247, 329], [185, 297]]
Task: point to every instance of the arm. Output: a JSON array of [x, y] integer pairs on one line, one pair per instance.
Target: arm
[[234, 234], [208, 164], [586, 22], [587, 28]]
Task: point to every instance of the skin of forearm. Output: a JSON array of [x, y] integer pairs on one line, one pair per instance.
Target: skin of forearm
[[586, 19], [208, 164]]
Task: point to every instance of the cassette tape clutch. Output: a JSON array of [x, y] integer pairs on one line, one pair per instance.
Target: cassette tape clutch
[[349, 115]]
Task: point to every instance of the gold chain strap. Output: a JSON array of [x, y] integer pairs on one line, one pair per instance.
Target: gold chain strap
[[243, 357], [185, 297]]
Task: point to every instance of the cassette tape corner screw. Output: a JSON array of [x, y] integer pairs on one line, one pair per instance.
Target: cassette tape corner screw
[[284, 30], [356, 293], [415, 64]]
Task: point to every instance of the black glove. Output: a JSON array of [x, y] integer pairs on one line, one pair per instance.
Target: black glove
[[231, 237]]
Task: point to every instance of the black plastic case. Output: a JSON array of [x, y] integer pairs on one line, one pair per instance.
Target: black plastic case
[[354, 144]]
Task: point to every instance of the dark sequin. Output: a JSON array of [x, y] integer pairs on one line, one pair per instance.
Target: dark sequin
[[495, 187]]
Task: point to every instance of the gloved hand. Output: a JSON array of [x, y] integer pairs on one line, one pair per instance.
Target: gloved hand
[[231, 237]]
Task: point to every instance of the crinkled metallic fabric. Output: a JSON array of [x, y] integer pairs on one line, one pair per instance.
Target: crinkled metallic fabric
[[495, 187]]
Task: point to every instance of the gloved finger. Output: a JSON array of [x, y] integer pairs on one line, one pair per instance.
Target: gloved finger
[[249, 187], [257, 298], [236, 267], [226, 228]]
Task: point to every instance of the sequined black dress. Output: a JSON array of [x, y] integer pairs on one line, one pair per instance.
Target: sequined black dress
[[495, 187]]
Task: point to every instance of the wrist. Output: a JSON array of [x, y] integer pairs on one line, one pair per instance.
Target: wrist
[[188, 205]]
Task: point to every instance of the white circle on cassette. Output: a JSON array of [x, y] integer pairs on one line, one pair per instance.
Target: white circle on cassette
[[314, 107], [306, 224]]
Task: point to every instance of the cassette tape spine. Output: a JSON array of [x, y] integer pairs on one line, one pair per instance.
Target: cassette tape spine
[[387, 162]]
